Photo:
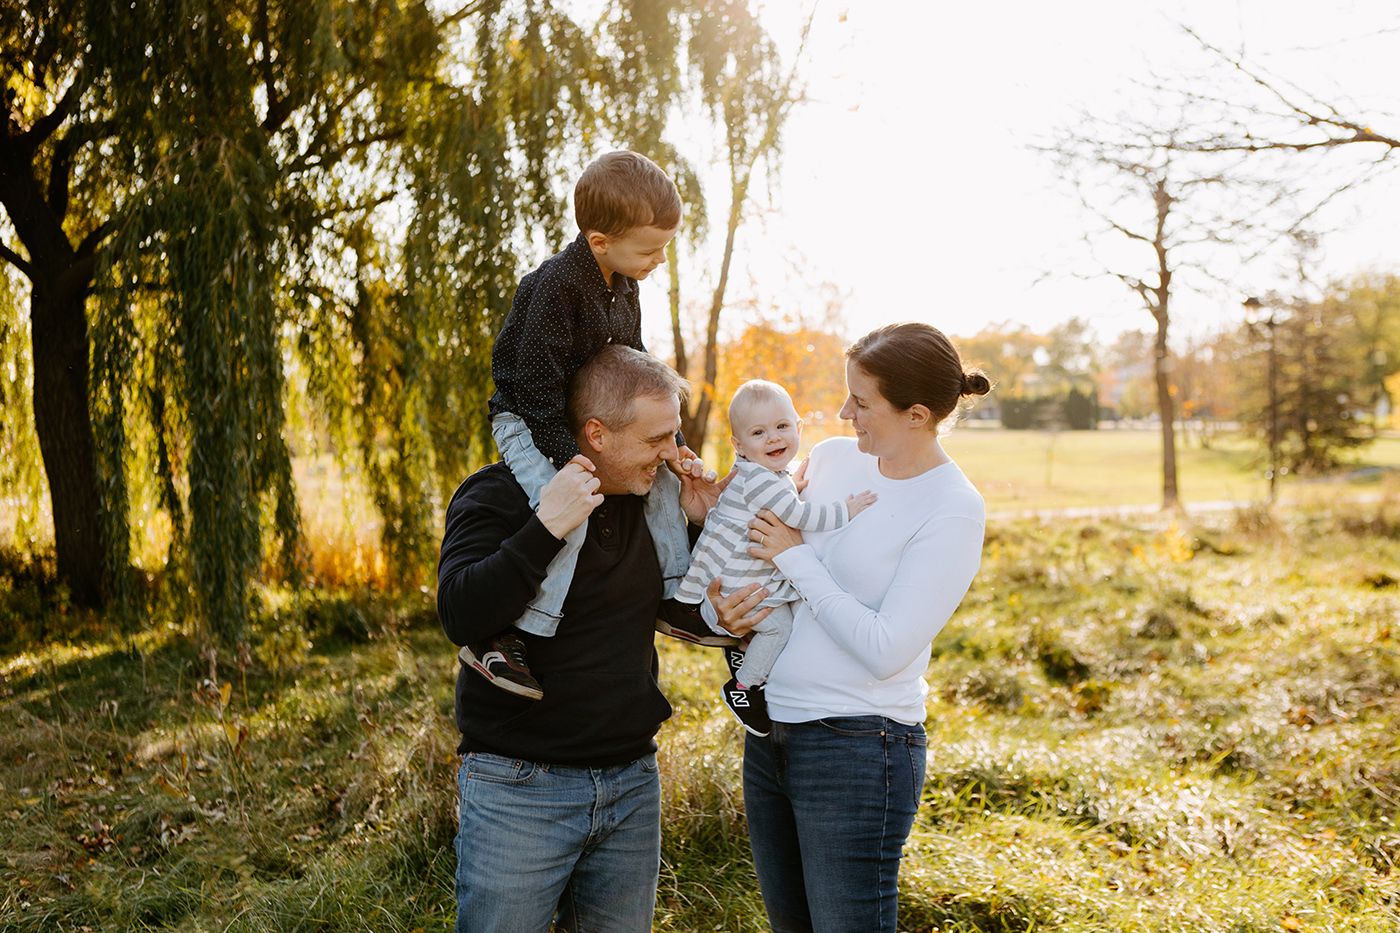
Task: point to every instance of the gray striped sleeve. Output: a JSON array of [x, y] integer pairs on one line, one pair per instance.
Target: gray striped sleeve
[[777, 493]]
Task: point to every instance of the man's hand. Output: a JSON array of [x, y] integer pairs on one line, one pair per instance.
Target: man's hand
[[700, 493], [567, 500]]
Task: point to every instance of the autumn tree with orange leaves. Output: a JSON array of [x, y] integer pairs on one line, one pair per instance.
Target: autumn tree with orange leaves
[[805, 357]]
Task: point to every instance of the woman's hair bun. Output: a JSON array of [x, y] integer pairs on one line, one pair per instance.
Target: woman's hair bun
[[975, 382]]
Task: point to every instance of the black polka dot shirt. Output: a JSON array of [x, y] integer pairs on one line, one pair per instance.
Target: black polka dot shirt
[[562, 314]]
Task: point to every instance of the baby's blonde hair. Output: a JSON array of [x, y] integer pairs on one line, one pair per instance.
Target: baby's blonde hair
[[751, 393]]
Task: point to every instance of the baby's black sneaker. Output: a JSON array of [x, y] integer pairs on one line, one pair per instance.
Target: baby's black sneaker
[[734, 657], [748, 706]]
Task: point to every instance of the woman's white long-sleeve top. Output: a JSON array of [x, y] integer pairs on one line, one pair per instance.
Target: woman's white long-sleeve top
[[875, 592]]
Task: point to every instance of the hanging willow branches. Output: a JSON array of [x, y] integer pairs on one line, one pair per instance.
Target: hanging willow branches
[[211, 192], [715, 56], [214, 205]]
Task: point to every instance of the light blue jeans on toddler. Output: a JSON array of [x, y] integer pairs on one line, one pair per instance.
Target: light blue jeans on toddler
[[533, 471]]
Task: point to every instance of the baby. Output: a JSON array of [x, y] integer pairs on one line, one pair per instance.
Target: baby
[[766, 431]]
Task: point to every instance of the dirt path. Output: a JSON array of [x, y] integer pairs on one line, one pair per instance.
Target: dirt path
[[1191, 508]]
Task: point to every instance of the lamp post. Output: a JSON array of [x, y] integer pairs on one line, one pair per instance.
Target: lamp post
[[1252, 308]]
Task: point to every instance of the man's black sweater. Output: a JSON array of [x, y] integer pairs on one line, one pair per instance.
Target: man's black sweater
[[601, 702]]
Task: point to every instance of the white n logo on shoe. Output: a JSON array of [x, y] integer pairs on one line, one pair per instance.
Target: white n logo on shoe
[[483, 665], [739, 697]]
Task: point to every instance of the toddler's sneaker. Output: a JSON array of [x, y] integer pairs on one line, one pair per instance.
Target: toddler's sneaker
[[748, 706], [734, 657], [502, 661], [683, 621]]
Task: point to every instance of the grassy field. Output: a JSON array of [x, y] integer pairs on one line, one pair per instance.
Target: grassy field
[[1016, 471], [1034, 471], [1134, 725]]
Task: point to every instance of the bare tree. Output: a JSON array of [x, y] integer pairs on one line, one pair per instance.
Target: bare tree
[[1263, 112], [1156, 211]]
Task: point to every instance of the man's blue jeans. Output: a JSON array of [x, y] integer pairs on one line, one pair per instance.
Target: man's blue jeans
[[829, 805], [539, 839]]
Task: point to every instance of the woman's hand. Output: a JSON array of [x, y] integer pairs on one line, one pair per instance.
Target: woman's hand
[[770, 536], [736, 611]]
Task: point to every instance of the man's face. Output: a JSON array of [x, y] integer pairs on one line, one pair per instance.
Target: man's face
[[634, 254], [627, 458]]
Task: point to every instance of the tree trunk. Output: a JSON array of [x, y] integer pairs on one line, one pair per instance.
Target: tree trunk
[[673, 266], [64, 427], [696, 425], [59, 277], [1161, 368], [1160, 305]]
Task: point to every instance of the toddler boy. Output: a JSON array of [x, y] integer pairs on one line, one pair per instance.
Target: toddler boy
[[573, 305], [766, 432]]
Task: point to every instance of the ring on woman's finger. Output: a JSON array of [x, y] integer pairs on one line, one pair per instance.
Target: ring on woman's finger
[[762, 538]]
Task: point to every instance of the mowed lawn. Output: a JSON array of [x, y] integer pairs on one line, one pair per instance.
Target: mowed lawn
[[1033, 470]]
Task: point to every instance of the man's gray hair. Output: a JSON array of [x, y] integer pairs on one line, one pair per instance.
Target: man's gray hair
[[608, 385]]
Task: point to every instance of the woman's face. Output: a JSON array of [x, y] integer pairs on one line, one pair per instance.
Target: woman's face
[[880, 427]]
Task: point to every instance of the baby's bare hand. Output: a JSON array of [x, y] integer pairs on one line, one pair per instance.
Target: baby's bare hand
[[855, 504], [799, 476]]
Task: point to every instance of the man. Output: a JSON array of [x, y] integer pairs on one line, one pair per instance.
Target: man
[[560, 797]]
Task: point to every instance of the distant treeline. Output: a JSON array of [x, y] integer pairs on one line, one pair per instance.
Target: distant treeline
[[1071, 408]]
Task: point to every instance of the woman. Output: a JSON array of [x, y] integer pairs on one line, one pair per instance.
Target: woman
[[831, 792]]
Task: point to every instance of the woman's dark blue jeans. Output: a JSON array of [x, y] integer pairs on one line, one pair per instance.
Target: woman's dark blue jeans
[[829, 804]]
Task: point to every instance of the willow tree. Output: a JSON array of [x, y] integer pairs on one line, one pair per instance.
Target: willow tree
[[204, 193], [714, 58], [643, 61], [748, 92]]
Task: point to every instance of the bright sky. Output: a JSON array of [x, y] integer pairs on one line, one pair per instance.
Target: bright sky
[[906, 179]]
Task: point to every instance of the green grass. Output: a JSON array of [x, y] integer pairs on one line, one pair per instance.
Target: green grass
[[1036, 470], [1068, 469], [1033, 471], [1134, 725]]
